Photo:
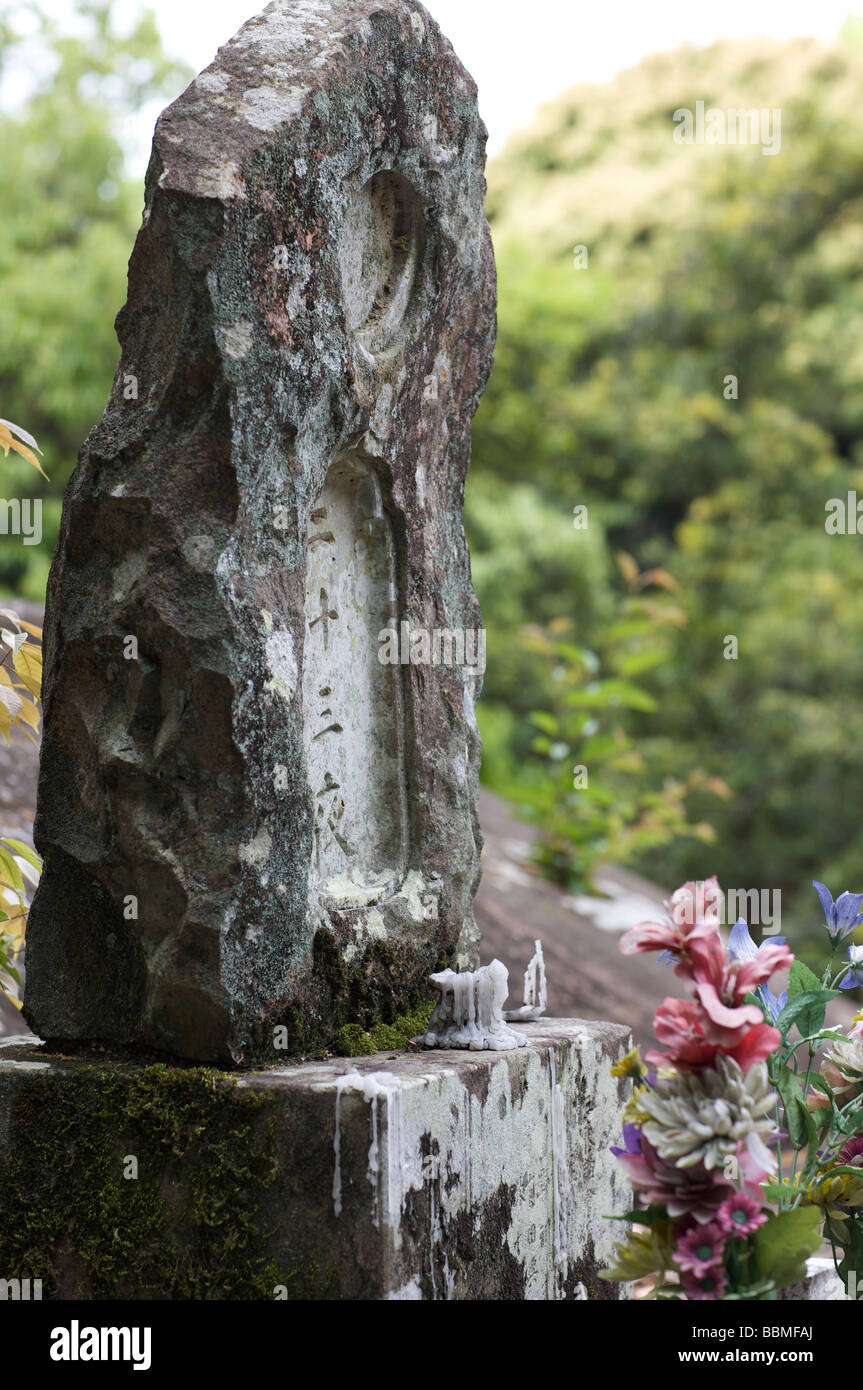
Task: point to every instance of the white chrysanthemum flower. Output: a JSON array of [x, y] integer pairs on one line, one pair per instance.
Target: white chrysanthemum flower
[[847, 1057], [704, 1116]]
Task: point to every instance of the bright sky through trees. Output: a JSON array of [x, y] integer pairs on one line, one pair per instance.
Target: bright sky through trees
[[523, 52]]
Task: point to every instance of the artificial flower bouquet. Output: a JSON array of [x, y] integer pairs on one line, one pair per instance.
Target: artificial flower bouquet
[[743, 1138]]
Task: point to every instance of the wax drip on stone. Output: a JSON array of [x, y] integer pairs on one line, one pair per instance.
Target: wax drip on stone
[[384, 1170], [350, 1079], [469, 1013], [535, 992], [560, 1173]]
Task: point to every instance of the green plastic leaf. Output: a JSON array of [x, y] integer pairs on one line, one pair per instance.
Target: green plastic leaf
[[751, 1292], [807, 1011], [819, 1084], [642, 1216], [796, 1114], [852, 1262], [801, 980], [784, 1243], [778, 1191], [643, 1252]]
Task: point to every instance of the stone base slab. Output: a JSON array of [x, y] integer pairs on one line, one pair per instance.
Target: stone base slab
[[423, 1175], [821, 1285]]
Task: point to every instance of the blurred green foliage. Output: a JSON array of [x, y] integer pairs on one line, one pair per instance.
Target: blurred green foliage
[[592, 792], [609, 391], [70, 215]]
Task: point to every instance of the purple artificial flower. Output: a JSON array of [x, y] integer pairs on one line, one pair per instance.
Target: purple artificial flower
[[843, 915], [741, 947], [855, 974], [740, 1215], [700, 1251], [631, 1145], [712, 1284]]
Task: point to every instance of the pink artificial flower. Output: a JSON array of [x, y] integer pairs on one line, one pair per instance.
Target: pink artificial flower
[[697, 902], [755, 1046], [679, 1024], [693, 1038], [722, 983], [717, 1020], [693, 910], [755, 1164], [852, 1151], [712, 1284], [702, 1248], [690, 1192], [740, 1215]]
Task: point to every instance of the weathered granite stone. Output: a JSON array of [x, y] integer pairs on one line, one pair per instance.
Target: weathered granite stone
[[462, 1175], [247, 819]]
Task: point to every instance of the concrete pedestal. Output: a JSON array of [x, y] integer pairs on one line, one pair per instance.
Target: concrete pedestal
[[427, 1175]]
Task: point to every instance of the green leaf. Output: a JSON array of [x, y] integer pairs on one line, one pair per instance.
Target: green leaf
[[794, 1105], [643, 1252], [819, 1084], [24, 850], [642, 1216], [10, 871], [801, 980], [811, 1128], [751, 1293], [612, 693], [783, 1244], [598, 747], [807, 1011], [777, 1191], [7, 968], [852, 1263]]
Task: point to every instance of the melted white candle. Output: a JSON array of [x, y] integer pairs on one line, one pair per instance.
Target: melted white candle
[[469, 1013], [535, 991]]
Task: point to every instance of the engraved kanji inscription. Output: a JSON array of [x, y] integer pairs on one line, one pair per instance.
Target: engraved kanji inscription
[[353, 703]]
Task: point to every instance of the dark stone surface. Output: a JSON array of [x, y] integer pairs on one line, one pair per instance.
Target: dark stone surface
[[313, 281]]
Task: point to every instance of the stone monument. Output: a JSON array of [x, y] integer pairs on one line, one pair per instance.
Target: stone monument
[[249, 819]]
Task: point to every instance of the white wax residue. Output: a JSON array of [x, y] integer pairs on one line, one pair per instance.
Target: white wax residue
[[350, 1079], [469, 1013], [535, 991], [373, 1085], [560, 1172]]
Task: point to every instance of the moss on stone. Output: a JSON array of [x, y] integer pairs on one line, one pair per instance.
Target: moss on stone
[[354, 1041], [188, 1227]]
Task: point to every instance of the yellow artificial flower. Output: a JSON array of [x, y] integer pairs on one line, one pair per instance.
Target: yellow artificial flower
[[630, 1065]]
